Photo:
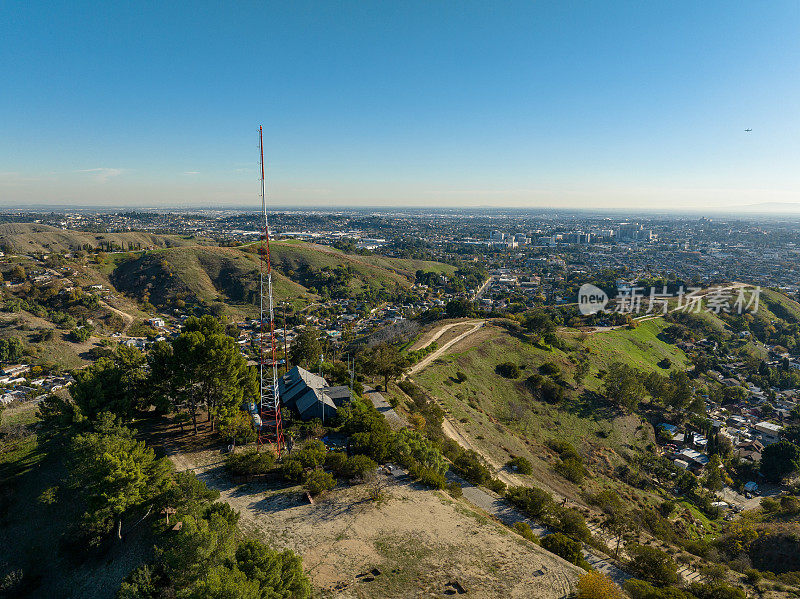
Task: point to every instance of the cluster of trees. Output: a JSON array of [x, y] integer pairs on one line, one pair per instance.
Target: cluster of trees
[[371, 441], [540, 506], [206, 559], [626, 386], [570, 464], [201, 368], [623, 385], [545, 388], [11, 350], [641, 589], [119, 482]]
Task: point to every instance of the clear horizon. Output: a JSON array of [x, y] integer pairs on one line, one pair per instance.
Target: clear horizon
[[546, 105]]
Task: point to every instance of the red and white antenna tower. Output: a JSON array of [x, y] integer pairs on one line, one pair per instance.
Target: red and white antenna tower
[[270, 430]]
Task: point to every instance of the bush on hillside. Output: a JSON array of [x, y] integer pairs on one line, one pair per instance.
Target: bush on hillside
[[508, 370], [572, 469], [454, 489], [596, 585], [358, 467], [520, 464], [249, 462], [311, 454], [468, 464], [524, 530], [563, 546], [652, 565], [535, 502], [428, 476], [317, 481], [550, 369], [292, 470], [336, 461]]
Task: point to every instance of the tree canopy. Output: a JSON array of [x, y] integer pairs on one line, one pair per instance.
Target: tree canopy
[[202, 367], [779, 460], [114, 472]]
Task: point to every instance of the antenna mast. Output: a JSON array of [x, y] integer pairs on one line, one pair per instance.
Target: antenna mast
[[270, 430]]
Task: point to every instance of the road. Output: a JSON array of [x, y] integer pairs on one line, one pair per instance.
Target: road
[[444, 328], [482, 289], [499, 507], [508, 514], [439, 352], [394, 419]]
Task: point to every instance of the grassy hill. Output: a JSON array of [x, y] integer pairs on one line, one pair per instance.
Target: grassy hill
[[199, 275], [302, 272], [503, 417], [26, 238], [370, 271]]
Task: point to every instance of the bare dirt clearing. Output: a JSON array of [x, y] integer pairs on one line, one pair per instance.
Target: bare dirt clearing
[[414, 545]]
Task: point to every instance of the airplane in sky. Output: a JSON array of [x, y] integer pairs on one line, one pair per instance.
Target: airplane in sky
[[748, 130]]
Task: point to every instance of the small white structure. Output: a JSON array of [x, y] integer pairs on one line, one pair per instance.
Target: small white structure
[[770, 433]]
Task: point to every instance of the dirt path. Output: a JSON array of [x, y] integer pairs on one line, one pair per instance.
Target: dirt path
[[439, 352], [127, 318], [437, 333]]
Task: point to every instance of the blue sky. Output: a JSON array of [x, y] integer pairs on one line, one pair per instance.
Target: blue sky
[[573, 104]]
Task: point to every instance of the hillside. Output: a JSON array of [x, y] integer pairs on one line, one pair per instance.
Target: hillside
[[503, 417], [176, 276], [172, 277], [25, 238]]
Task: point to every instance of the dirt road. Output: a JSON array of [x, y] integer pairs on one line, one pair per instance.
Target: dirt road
[[439, 352]]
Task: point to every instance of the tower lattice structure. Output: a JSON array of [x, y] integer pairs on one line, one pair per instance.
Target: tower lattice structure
[[270, 428]]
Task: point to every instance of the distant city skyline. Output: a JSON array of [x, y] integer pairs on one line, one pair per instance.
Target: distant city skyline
[[606, 106]]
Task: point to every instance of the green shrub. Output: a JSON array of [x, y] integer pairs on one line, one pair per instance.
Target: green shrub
[[318, 481], [79, 335], [497, 485], [564, 449], [753, 576], [508, 370], [292, 470], [563, 546], [572, 469], [454, 489], [652, 565], [535, 502], [411, 448], [336, 461], [571, 522], [521, 465], [468, 464], [524, 530], [550, 369], [249, 462], [311, 454], [359, 466], [428, 476]]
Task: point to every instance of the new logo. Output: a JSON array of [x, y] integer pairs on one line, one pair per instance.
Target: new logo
[[591, 299]]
